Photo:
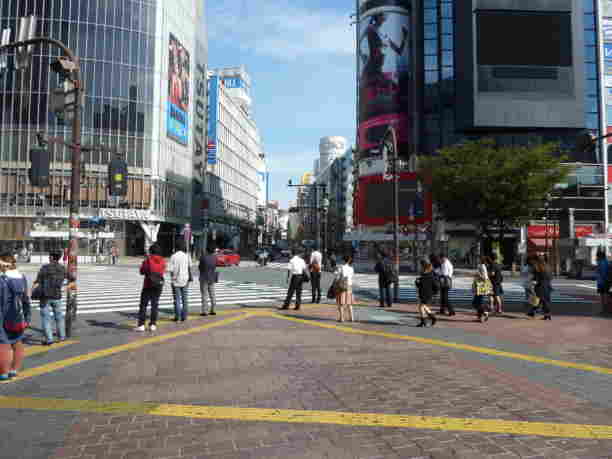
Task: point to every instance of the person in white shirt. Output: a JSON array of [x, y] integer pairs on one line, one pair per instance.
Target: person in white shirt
[[316, 261], [446, 283], [295, 277], [344, 289], [180, 275]]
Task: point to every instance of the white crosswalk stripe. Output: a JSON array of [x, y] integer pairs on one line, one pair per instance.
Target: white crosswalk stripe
[[106, 295]]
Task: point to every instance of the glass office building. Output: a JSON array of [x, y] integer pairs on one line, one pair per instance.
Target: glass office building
[[138, 59]]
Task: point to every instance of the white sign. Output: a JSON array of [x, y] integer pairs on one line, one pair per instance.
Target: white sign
[[66, 235], [126, 214]]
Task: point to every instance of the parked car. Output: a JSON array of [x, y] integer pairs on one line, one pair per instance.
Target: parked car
[[228, 258]]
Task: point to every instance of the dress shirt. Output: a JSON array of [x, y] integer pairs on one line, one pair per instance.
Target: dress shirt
[[316, 257], [296, 266], [347, 272], [446, 269]]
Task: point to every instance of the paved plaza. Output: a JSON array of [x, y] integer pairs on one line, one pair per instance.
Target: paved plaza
[[257, 382]]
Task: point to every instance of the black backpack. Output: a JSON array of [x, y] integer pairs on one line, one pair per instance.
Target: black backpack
[[389, 273]]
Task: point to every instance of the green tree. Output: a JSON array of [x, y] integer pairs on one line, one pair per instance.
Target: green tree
[[490, 185]]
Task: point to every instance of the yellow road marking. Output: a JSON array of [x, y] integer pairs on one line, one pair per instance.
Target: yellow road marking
[[463, 347], [33, 350], [54, 366], [546, 429]]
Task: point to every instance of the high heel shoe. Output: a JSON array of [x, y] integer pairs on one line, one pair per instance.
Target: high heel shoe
[[422, 323], [432, 318], [547, 317]]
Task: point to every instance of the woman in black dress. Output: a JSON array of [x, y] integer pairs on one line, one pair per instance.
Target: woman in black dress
[[425, 288]]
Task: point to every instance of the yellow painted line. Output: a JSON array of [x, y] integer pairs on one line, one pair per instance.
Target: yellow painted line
[[54, 366], [448, 344], [33, 350], [545, 429]]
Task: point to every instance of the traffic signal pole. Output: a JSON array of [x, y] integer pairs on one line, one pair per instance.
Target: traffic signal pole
[[75, 180]]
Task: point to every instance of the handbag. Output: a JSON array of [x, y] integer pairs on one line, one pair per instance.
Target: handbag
[[533, 300], [331, 292]]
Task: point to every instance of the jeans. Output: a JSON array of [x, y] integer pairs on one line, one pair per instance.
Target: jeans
[[46, 309], [181, 302], [315, 279], [384, 289], [295, 286], [149, 295], [207, 289]]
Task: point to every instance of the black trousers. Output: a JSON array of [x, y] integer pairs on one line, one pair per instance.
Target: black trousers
[[315, 282], [384, 289], [149, 295], [444, 304], [295, 286]]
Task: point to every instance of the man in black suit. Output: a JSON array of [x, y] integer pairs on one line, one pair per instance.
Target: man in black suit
[[208, 278]]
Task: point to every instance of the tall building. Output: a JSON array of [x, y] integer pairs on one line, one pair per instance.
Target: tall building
[[142, 63], [448, 73], [235, 185]]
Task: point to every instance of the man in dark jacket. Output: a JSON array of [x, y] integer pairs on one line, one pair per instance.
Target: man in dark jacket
[[384, 284], [153, 269], [208, 278], [51, 280]]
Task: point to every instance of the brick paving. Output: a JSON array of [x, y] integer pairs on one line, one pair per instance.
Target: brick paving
[[265, 362]]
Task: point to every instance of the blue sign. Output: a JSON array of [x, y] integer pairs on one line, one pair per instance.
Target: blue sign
[[213, 103], [178, 124], [177, 113], [233, 82], [608, 51]]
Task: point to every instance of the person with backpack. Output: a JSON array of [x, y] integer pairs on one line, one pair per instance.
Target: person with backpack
[[386, 276], [497, 278], [50, 282], [316, 259], [15, 315], [427, 286], [180, 272], [153, 269], [343, 281]]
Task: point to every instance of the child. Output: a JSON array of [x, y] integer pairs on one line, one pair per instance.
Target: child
[[425, 287], [481, 288]]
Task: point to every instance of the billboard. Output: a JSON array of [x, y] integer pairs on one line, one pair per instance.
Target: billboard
[[213, 115], [375, 201], [385, 73], [179, 79]]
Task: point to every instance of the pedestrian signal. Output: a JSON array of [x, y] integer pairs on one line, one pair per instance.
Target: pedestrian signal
[[40, 164], [117, 177]]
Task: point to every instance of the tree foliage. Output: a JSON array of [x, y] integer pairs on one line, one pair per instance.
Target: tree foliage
[[490, 185]]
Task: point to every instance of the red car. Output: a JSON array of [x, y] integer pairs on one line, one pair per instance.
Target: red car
[[227, 258]]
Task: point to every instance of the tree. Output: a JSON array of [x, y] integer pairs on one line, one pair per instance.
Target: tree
[[490, 185]]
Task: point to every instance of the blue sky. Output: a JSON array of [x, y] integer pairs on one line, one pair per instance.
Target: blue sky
[[301, 58]]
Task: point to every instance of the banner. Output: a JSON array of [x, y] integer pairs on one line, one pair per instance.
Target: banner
[[213, 100], [178, 91]]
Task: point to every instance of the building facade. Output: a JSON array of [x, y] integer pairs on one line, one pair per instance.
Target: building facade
[[235, 185], [137, 61]]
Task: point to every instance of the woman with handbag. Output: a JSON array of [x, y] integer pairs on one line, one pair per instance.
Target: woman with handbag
[[15, 315], [344, 289]]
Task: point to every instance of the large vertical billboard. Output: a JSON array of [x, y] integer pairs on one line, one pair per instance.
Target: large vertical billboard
[[213, 115], [385, 73], [178, 91]]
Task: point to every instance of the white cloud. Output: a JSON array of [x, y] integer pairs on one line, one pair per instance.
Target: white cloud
[[279, 29]]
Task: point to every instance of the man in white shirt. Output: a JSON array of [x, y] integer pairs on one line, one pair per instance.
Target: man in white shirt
[[316, 261], [295, 276], [446, 283], [180, 275]]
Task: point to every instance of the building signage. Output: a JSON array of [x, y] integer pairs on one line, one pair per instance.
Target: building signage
[[608, 51], [179, 82], [66, 235], [212, 119], [233, 83], [126, 214], [607, 30], [541, 231]]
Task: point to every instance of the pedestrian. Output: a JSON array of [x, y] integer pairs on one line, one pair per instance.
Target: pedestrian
[[425, 288], [51, 278], [446, 272], [180, 275], [153, 269], [295, 274], [114, 254], [543, 287], [65, 256], [497, 279], [15, 315], [481, 287], [208, 278], [603, 286], [316, 259], [344, 289], [384, 269]]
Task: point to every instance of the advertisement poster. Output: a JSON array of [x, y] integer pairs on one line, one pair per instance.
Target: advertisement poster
[[179, 79], [384, 73], [213, 95]]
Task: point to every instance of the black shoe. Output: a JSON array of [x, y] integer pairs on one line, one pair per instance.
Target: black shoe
[[314, 301], [382, 305], [531, 314], [433, 319], [203, 314], [183, 320], [213, 313], [176, 319], [422, 323], [547, 317]]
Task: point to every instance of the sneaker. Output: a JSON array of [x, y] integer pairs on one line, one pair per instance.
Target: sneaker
[[140, 328], [153, 327]]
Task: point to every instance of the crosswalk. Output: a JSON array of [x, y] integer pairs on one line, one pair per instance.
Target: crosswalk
[[121, 295]]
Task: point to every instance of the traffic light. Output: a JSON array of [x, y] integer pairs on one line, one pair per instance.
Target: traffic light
[[39, 171], [117, 177]]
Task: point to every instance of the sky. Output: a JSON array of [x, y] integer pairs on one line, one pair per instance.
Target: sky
[[300, 55]]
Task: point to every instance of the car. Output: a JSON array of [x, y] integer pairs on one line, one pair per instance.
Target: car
[[228, 258]]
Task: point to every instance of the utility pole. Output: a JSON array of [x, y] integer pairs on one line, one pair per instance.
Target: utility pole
[[69, 68], [389, 150]]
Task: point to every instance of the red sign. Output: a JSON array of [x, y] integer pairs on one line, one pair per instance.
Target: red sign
[[609, 170], [539, 231]]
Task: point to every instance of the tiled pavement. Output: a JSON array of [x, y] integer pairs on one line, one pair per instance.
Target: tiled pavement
[[266, 362]]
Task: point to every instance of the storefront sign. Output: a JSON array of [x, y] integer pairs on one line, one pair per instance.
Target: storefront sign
[[126, 214], [541, 231], [66, 235]]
